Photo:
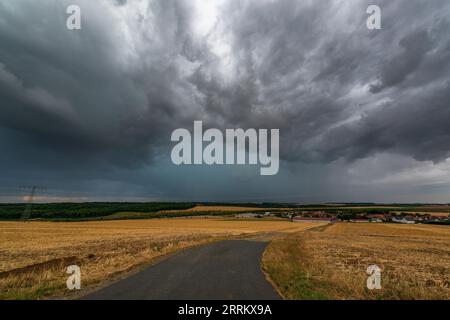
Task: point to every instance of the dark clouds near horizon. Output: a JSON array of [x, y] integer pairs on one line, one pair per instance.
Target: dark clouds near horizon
[[99, 104]]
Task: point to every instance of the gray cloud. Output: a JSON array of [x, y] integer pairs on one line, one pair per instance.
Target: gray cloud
[[120, 2], [414, 48], [414, 126], [107, 97]]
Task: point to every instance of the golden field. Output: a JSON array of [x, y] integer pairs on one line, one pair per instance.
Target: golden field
[[104, 249], [204, 208], [331, 262]]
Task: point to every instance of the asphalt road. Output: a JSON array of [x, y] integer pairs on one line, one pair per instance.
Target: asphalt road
[[223, 270]]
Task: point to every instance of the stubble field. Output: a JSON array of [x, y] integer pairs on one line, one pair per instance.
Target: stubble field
[[103, 249], [331, 263], [206, 208]]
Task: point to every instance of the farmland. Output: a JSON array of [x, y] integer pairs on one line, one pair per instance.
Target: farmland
[[151, 210], [331, 262], [304, 260], [123, 210], [104, 249], [229, 208]]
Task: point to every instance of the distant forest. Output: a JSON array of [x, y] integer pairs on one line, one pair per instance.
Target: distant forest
[[85, 210], [128, 210]]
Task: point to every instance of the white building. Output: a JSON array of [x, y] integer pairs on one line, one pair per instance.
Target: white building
[[403, 220]]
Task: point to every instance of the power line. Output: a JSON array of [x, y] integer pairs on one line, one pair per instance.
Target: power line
[[29, 206]]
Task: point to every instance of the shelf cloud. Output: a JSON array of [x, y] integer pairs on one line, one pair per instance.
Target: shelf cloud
[[90, 105]]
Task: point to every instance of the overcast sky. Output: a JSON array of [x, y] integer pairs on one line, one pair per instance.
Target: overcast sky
[[364, 115]]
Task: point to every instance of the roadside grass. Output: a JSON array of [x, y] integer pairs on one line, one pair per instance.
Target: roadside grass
[[331, 262], [285, 262], [33, 287]]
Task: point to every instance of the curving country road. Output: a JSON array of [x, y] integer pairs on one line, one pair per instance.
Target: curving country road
[[223, 270]]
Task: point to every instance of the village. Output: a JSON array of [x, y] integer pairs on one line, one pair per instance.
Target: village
[[382, 217]]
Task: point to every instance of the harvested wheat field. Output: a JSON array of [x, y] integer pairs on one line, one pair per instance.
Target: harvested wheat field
[[331, 263], [41, 250], [204, 208]]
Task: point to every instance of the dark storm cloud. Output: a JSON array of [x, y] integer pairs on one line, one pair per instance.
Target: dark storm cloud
[[72, 91], [314, 70], [414, 48], [417, 128], [110, 95]]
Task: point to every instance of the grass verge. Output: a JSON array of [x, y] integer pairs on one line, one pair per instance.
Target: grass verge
[[331, 263]]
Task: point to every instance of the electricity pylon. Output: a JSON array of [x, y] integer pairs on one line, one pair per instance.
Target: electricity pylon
[[28, 208]]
